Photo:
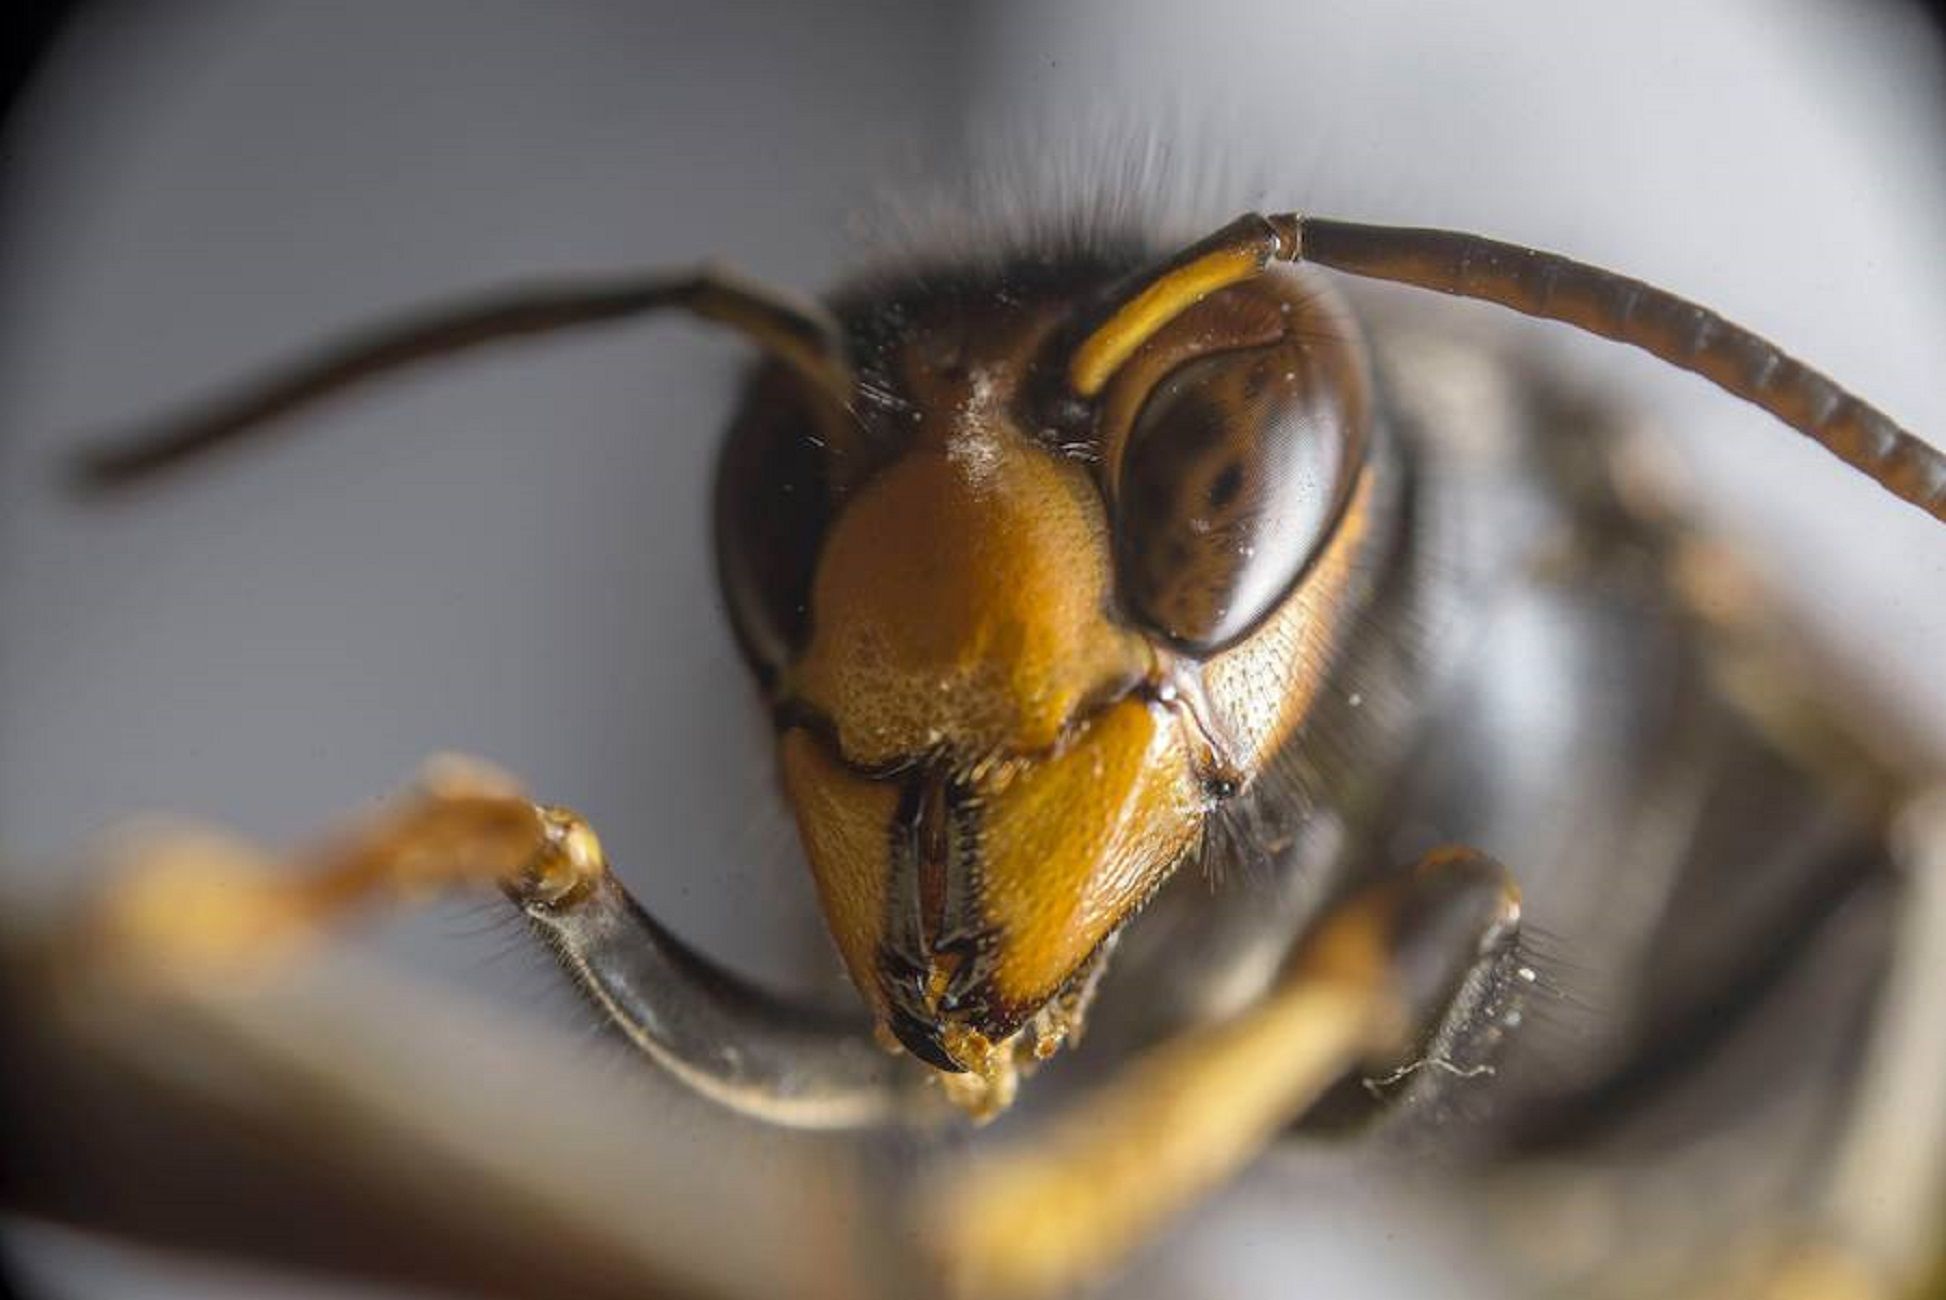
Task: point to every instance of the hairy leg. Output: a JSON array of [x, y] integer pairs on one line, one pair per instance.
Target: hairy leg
[[1064, 1204], [189, 903]]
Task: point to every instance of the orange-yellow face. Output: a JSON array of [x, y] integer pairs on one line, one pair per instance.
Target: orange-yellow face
[[959, 632], [1017, 663]]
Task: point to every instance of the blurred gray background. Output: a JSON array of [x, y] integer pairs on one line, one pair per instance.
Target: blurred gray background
[[509, 556]]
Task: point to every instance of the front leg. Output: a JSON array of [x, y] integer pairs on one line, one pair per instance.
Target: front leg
[[1364, 991], [729, 1041], [188, 902]]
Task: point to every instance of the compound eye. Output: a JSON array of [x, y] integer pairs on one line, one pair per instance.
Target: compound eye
[[773, 506], [1236, 470]]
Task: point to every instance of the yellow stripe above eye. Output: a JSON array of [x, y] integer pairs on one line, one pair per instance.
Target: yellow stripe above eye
[[1173, 293]]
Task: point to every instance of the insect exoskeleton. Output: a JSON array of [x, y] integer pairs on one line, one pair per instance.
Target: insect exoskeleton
[[1042, 561], [1018, 645], [1056, 568]]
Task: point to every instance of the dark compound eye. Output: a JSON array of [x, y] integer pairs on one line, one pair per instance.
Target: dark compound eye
[[772, 508], [1236, 469]]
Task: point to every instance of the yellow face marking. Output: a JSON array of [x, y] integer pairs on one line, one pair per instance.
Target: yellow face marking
[[1071, 845], [844, 820], [959, 606], [1141, 316], [963, 629]]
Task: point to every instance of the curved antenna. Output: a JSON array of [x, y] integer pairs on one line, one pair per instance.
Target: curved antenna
[[1240, 251], [801, 336], [1673, 329], [1545, 285]]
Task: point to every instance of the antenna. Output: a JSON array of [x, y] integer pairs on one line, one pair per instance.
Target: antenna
[[1545, 285]]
